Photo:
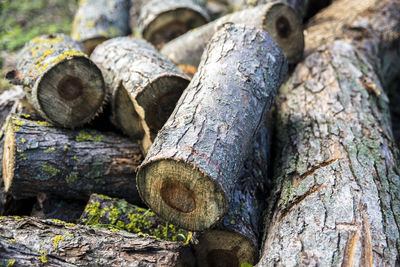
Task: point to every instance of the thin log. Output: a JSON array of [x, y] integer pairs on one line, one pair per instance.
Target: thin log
[[117, 213], [70, 164], [60, 81], [278, 19], [35, 242], [161, 21], [145, 86], [236, 239], [336, 200], [190, 172]]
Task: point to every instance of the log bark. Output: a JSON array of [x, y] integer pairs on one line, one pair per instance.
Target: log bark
[[69, 164], [117, 213], [145, 86], [189, 174], [37, 242], [161, 21], [98, 20], [236, 239], [60, 81], [278, 19], [336, 199]]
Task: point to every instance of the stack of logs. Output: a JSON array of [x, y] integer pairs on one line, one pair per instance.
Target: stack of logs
[[167, 148]]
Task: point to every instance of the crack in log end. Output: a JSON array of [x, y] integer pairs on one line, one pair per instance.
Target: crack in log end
[[9, 154], [283, 27], [350, 249], [298, 178], [178, 196], [222, 258], [70, 88]]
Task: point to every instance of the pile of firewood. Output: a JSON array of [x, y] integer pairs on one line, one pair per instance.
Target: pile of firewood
[[173, 146]]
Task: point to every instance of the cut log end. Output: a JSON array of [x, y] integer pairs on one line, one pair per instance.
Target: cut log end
[[91, 44], [222, 248], [71, 93], [181, 194], [172, 24], [8, 155], [285, 27]]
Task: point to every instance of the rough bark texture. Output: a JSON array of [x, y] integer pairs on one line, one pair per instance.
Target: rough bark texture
[[112, 212], [70, 164], [394, 96], [190, 172], [98, 20], [145, 85], [278, 19], [60, 81], [134, 14], [8, 100], [336, 200], [236, 239], [161, 21], [34, 242]]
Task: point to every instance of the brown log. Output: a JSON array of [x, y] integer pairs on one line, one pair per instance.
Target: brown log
[[60, 81], [70, 164], [336, 199], [145, 86], [190, 172], [117, 213], [161, 21], [278, 19], [33, 242], [98, 20]]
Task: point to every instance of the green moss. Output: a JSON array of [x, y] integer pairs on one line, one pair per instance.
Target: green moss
[[51, 149], [83, 137], [98, 138], [53, 171], [95, 172], [72, 177]]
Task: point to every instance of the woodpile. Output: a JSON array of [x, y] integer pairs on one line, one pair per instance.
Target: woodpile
[[219, 133]]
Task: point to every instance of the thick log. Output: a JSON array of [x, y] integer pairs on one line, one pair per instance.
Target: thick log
[[161, 21], [98, 20], [60, 81], [145, 86], [70, 164], [190, 172], [236, 239], [117, 213], [278, 19], [134, 14], [37, 242]]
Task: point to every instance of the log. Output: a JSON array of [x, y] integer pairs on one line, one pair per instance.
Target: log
[[8, 100], [145, 86], [39, 242], [70, 164], [336, 199], [98, 20], [60, 81], [117, 213], [236, 239], [394, 96], [189, 173], [278, 19], [134, 14], [161, 21]]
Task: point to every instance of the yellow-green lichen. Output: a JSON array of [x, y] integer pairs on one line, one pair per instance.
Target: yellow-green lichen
[[76, 158], [83, 137], [98, 138], [17, 124], [66, 147], [72, 177], [44, 123], [58, 238], [23, 140], [11, 240], [22, 156], [62, 222], [90, 24], [53, 171], [10, 262], [43, 257], [50, 149]]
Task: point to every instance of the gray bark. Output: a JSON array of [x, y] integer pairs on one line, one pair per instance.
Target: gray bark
[[278, 19], [208, 136], [145, 86], [70, 164], [60, 81], [33, 242], [98, 20]]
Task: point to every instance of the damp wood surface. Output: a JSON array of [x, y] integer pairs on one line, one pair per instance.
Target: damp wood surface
[[60, 81], [190, 172], [277, 19], [39, 157], [34, 242]]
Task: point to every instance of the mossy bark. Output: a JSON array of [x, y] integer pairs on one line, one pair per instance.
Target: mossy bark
[[112, 212], [60, 81], [190, 172], [278, 19], [98, 20], [161, 21], [145, 86], [34, 242], [70, 164]]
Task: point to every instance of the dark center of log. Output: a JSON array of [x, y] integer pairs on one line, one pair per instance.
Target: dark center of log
[[283, 27], [222, 258], [168, 32], [177, 196], [70, 87]]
